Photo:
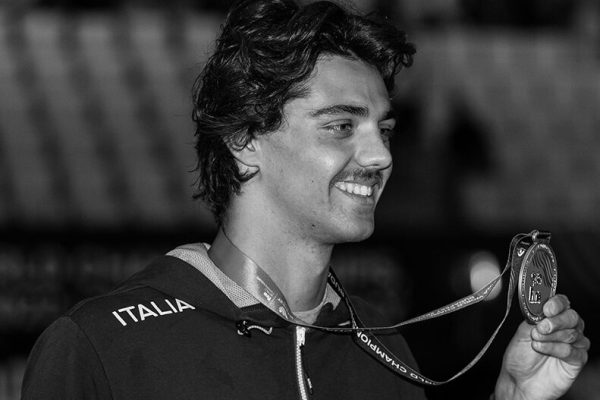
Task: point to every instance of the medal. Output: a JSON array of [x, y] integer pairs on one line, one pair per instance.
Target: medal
[[537, 268]]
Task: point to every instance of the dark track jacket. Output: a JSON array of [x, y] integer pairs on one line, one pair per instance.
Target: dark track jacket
[[169, 333]]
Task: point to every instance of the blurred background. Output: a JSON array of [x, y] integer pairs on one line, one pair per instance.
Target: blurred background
[[498, 135]]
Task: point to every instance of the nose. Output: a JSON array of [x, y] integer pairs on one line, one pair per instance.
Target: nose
[[372, 151]]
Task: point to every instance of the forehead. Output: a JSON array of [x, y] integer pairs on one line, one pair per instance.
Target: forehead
[[339, 80]]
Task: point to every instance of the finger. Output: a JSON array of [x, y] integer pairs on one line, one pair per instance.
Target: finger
[[568, 319], [564, 335], [581, 325], [566, 352], [556, 304], [583, 343]]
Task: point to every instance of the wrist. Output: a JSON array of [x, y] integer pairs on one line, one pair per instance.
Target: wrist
[[506, 389]]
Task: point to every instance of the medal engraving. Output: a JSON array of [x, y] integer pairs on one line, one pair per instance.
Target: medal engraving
[[537, 280]]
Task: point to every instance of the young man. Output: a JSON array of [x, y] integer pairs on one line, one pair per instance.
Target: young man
[[293, 122]]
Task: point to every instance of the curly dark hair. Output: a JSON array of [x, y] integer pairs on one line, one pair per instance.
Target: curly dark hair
[[265, 54]]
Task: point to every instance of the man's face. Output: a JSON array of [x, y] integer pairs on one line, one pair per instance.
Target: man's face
[[324, 170]]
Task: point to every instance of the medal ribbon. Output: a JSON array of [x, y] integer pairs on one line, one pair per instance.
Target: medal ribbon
[[257, 282]]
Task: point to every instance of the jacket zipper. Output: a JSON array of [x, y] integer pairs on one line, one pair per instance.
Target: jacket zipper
[[304, 383]]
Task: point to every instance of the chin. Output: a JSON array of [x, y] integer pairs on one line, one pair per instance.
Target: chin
[[356, 233]]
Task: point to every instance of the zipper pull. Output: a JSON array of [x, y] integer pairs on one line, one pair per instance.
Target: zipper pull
[[309, 384]]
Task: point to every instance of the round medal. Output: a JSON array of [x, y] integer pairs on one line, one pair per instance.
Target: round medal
[[537, 280]]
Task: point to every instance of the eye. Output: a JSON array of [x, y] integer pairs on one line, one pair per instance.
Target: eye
[[387, 132], [340, 129]]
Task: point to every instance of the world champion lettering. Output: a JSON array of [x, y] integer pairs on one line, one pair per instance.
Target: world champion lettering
[[456, 306], [449, 308], [389, 360]]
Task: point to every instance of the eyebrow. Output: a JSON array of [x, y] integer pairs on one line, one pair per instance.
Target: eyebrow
[[359, 111]]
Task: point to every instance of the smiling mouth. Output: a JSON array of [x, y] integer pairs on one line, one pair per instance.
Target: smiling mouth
[[355, 189]]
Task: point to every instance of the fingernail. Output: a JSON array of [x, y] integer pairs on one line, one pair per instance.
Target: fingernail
[[544, 326]]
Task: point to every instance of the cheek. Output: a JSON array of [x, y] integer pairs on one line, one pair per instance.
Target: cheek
[[307, 168], [325, 168], [315, 165]]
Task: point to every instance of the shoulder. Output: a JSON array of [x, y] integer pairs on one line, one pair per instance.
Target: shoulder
[[150, 294], [124, 307]]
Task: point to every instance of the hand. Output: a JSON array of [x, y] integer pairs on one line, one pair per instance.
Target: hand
[[543, 360]]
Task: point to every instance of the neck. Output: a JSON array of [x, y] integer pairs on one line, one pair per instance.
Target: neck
[[297, 267]]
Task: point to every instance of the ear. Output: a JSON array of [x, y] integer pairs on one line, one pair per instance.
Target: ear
[[246, 158]]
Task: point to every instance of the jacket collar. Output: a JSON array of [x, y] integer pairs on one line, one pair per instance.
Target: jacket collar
[[179, 279]]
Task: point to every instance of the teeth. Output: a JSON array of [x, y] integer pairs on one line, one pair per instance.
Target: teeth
[[355, 188]]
